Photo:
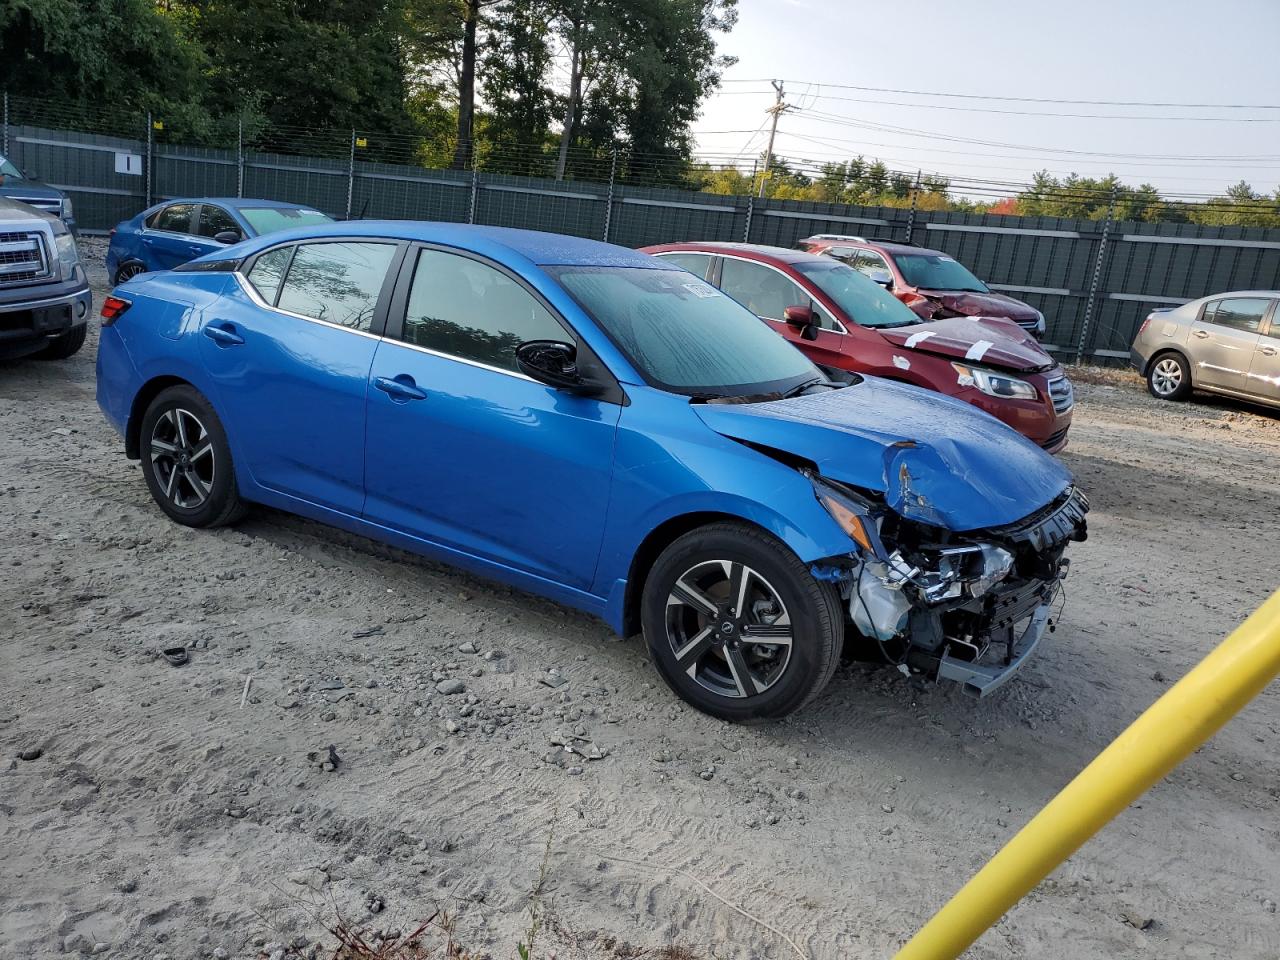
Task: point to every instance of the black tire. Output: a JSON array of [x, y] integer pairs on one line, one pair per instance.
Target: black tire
[[781, 678], [1169, 377], [65, 345], [127, 271], [186, 460]]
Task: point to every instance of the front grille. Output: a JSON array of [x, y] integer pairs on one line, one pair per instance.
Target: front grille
[[1061, 394], [1054, 439], [23, 258], [48, 204]]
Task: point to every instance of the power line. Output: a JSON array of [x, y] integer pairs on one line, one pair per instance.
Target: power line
[[982, 96]]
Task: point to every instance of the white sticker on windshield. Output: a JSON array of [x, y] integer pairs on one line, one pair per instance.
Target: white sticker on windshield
[[702, 290]]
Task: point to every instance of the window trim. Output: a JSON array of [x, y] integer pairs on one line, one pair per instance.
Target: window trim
[[842, 329], [1271, 322], [398, 309], [379, 322]]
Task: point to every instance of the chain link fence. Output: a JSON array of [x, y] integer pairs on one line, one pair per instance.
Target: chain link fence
[[1094, 280]]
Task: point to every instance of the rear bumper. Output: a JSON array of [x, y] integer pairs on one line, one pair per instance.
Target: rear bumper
[[1137, 361]]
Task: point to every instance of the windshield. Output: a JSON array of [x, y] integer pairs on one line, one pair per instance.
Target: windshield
[[863, 301], [933, 271], [8, 170], [270, 219], [683, 334]]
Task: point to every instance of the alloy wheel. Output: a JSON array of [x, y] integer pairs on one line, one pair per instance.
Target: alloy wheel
[[728, 628], [182, 457], [1166, 376], [129, 271]]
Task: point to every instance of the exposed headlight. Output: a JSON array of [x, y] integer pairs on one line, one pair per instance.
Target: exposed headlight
[[852, 516], [995, 384], [68, 253], [67, 210]]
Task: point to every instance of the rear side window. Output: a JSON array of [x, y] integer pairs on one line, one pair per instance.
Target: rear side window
[[337, 282], [695, 263], [215, 220], [467, 309], [268, 271], [175, 218], [1239, 313]]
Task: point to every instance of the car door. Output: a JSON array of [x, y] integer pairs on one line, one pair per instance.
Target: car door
[[289, 352], [466, 451], [1223, 341], [1264, 371], [168, 240], [767, 292]]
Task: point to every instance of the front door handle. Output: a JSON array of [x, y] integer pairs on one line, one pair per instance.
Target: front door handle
[[224, 335], [401, 389], [1269, 351], [1202, 334]]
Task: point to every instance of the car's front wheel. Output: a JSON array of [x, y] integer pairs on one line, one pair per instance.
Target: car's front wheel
[[186, 460], [737, 624], [1169, 377]]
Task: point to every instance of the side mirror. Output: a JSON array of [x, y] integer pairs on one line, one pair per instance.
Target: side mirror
[[553, 363], [803, 319], [882, 277], [227, 236]]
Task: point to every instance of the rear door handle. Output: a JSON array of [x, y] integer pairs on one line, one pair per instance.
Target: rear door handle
[[401, 389], [1202, 334], [1269, 351], [224, 335]]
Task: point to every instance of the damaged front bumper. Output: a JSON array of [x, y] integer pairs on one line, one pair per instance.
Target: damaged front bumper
[[970, 607]]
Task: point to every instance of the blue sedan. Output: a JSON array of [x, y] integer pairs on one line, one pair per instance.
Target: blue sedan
[[599, 427], [170, 234]]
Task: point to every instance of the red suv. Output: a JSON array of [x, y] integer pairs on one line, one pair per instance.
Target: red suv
[[844, 321], [931, 283]]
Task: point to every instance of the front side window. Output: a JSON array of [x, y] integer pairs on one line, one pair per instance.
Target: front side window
[[337, 282], [866, 262], [861, 299], [695, 263], [267, 272], [767, 293], [468, 309], [266, 220], [683, 334], [214, 220], [175, 218], [1240, 313], [933, 271]]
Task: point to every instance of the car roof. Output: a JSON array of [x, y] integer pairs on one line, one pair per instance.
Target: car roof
[[543, 249], [888, 246], [239, 202], [783, 254]]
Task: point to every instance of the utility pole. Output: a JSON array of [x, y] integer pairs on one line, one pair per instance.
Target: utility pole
[[779, 107]]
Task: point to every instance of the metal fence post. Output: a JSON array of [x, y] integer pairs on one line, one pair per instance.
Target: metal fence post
[[911, 217], [608, 208], [150, 142], [240, 156], [351, 173], [751, 206], [475, 189], [1091, 303]]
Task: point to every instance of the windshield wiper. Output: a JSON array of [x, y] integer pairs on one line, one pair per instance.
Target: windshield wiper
[[800, 388]]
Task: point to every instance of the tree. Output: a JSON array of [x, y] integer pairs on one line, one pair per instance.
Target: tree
[[515, 63]]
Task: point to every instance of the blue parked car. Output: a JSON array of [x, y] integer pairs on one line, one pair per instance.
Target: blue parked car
[[169, 234], [599, 427]]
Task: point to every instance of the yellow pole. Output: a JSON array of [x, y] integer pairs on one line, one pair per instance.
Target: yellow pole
[[1176, 724]]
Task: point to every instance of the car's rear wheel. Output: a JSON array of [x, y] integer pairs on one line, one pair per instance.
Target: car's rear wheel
[[737, 624], [186, 460], [65, 345], [1169, 377], [128, 271]]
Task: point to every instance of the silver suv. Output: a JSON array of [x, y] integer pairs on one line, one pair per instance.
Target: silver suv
[[44, 293], [1228, 343]]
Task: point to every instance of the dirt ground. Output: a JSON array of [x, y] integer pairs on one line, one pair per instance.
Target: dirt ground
[[170, 815]]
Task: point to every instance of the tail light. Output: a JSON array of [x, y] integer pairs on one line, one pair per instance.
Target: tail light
[[1145, 323], [112, 308]]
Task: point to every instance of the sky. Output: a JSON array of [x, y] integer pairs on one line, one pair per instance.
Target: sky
[[1164, 51]]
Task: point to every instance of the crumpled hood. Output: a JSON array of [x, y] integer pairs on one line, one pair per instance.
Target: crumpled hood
[[935, 459], [982, 304], [985, 341]]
